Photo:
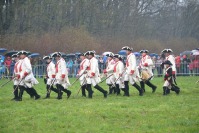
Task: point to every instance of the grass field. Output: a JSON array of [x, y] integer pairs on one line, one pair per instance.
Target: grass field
[[152, 113]]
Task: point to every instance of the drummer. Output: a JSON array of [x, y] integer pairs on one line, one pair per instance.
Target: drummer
[[146, 65]]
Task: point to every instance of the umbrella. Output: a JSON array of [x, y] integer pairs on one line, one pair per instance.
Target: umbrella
[[34, 55], [70, 55], [186, 53], [153, 54], [105, 53], [2, 58], [196, 53], [136, 53], [2, 50], [10, 53], [122, 52], [77, 53]]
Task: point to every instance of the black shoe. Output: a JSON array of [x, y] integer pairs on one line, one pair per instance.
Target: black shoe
[[18, 99], [37, 97], [68, 94], [154, 89], [14, 98], [105, 94]]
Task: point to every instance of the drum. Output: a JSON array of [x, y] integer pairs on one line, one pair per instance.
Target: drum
[[145, 75]]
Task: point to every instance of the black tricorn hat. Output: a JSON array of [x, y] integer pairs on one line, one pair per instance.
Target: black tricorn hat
[[167, 62], [14, 55], [118, 56], [23, 52], [82, 54], [144, 51], [89, 53], [47, 57], [110, 55], [167, 51], [127, 48], [56, 54]]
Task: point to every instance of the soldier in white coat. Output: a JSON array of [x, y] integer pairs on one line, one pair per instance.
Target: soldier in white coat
[[171, 58], [131, 73], [50, 76], [85, 82], [15, 79], [118, 70], [93, 72], [109, 71], [26, 77], [62, 81], [146, 65]]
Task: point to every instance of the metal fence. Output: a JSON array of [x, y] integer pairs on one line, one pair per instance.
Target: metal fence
[[184, 69]]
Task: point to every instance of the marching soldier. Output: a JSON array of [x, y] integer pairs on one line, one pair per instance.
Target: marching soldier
[[118, 70], [84, 80], [146, 71], [50, 76], [168, 84], [93, 72], [26, 77], [132, 73], [109, 68], [62, 81], [171, 58]]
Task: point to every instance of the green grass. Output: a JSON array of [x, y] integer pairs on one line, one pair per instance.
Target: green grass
[[151, 113]]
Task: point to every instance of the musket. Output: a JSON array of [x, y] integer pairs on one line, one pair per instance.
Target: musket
[[106, 78], [51, 85], [79, 77], [18, 85], [6, 82], [118, 77], [81, 86]]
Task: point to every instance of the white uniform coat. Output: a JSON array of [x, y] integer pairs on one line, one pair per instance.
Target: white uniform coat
[[118, 70], [146, 59], [131, 66], [25, 67], [61, 70], [109, 69], [83, 66], [171, 58], [16, 72], [94, 69], [50, 69]]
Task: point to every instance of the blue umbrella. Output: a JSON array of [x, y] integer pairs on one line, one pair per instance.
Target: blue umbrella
[[2, 50], [34, 55], [153, 54], [136, 53], [2, 58], [10, 53], [122, 52]]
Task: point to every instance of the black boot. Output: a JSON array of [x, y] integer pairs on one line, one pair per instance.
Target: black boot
[[168, 91], [152, 86], [22, 88], [89, 89], [142, 85], [110, 89], [30, 92], [126, 85], [34, 92], [68, 92], [164, 90], [118, 89], [101, 90], [16, 93], [59, 91], [175, 88], [138, 88], [83, 90]]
